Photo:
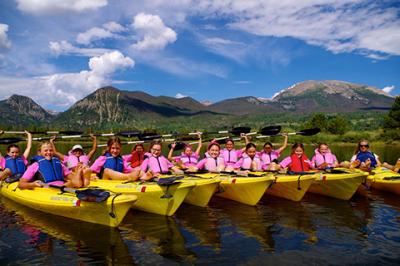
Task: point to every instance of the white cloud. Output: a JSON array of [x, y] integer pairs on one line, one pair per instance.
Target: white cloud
[[180, 95], [388, 89], [38, 7], [93, 34], [114, 26], [154, 34], [63, 90], [5, 43], [66, 48]]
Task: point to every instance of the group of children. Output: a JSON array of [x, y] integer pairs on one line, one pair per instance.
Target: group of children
[[50, 167]]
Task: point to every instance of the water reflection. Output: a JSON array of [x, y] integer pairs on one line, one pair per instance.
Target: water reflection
[[201, 222], [45, 233], [156, 238]]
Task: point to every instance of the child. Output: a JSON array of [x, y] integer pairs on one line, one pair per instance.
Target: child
[[324, 158], [213, 162], [136, 157], [188, 159], [269, 156], [47, 169], [13, 165], [297, 161], [250, 160], [75, 157], [394, 168], [230, 155], [363, 158], [111, 165], [156, 163]]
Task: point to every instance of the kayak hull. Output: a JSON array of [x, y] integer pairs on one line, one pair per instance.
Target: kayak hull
[[50, 200], [152, 198], [291, 187], [202, 193], [382, 179], [339, 186]]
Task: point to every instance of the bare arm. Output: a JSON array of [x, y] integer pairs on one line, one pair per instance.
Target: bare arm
[[56, 153], [200, 143], [25, 184], [285, 141], [28, 144], [94, 147], [171, 151]]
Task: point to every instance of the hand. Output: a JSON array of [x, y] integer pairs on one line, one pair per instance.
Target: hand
[[92, 136], [52, 139], [173, 145], [199, 134], [37, 183], [1, 132]]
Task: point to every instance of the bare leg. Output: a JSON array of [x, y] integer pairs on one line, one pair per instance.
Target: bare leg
[[87, 173], [110, 174], [5, 173], [146, 175]]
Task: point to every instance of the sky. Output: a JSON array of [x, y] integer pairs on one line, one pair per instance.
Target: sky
[[58, 52]]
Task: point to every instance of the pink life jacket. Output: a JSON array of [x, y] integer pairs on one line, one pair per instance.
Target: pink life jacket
[[245, 162], [211, 164], [230, 157], [189, 160], [267, 158], [319, 158], [158, 164], [72, 161]]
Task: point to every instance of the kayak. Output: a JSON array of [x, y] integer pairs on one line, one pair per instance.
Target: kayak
[[383, 179], [246, 190], [151, 197], [110, 212], [206, 185], [291, 187], [340, 183]]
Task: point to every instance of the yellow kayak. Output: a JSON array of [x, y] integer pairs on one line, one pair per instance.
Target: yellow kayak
[[151, 197], [291, 187], [206, 185], [384, 179], [341, 183], [246, 190], [110, 212]]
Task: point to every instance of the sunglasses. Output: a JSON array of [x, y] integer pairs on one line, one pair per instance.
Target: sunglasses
[[366, 146]]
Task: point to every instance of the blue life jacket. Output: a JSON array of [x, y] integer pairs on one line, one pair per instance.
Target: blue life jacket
[[114, 163], [363, 156], [49, 170], [17, 165]]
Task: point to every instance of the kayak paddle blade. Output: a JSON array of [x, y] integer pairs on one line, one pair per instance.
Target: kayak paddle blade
[[309, 132], [149, 136], [270, 130], [239, 130], [178, 145], [129, 134], [10, 140]]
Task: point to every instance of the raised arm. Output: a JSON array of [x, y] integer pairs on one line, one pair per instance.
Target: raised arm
[[28, 144], [246, 141], [171, 151], [199, 144], [285, 141], [56, 153], [94, 147]]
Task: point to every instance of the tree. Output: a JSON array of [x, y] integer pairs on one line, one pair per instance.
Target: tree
[[318, 120], [392, 120], [338, 125]]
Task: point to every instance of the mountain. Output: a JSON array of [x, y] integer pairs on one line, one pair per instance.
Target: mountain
[[22, 111], [244, 106]]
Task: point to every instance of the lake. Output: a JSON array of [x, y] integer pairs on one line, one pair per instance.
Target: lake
[[317, 230]]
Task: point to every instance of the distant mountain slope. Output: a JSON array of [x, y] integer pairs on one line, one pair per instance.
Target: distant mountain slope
[[22, 111], [244, 106]]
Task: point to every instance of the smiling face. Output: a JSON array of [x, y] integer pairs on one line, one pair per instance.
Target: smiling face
[[251, 152], [299, 151], [213, 151], [115, 149], [156, 150], [13, 152], [188, 151], [229, 145], [267, 148], [323, 149], [363, 146], [46, 150], [139, 148], [77, 152]]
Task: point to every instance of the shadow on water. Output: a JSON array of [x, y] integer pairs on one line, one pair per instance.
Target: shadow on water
[[202, 223], [154, 238], [44, 236]]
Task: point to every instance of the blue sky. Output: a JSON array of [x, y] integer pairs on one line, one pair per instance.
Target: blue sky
[[58, 52]]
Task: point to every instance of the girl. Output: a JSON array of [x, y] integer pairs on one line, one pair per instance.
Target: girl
[[250, 161], [14, 164], [213, 162], [269, 156], [324, 158], [156, 163], [47, 169], [188, 159], [136, 158], [111, 165], [363, 158], [297, 161], [75, 157], [230, 155]]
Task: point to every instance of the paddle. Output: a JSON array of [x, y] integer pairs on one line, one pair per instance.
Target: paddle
[[303, 132], [235, 131], [168, 181], [67, 132], [89, 194]]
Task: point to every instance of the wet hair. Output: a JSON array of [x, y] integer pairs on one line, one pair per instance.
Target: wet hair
[[250, 145], [213, 144], [297, 145], [12, 146], [155, 142], [268, 143]]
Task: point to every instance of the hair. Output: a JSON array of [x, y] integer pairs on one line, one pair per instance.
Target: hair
[[250, 145], [297, 145], [229, 140], [12, 146], [268, 143], [138, 145], [41, 144], [213, 143], [359, 145], [187, 146], [155, 142], [112, 141], [322, 143]]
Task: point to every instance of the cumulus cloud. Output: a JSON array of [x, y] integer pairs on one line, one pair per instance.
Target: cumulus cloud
[[39, 7], [180, 95], [153, 32], [388, 89], [62, 90], [93, 34], [114, 26], [5, 43], [66, 48]]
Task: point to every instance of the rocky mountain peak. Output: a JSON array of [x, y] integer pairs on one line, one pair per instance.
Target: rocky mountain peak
[[26, 106]]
